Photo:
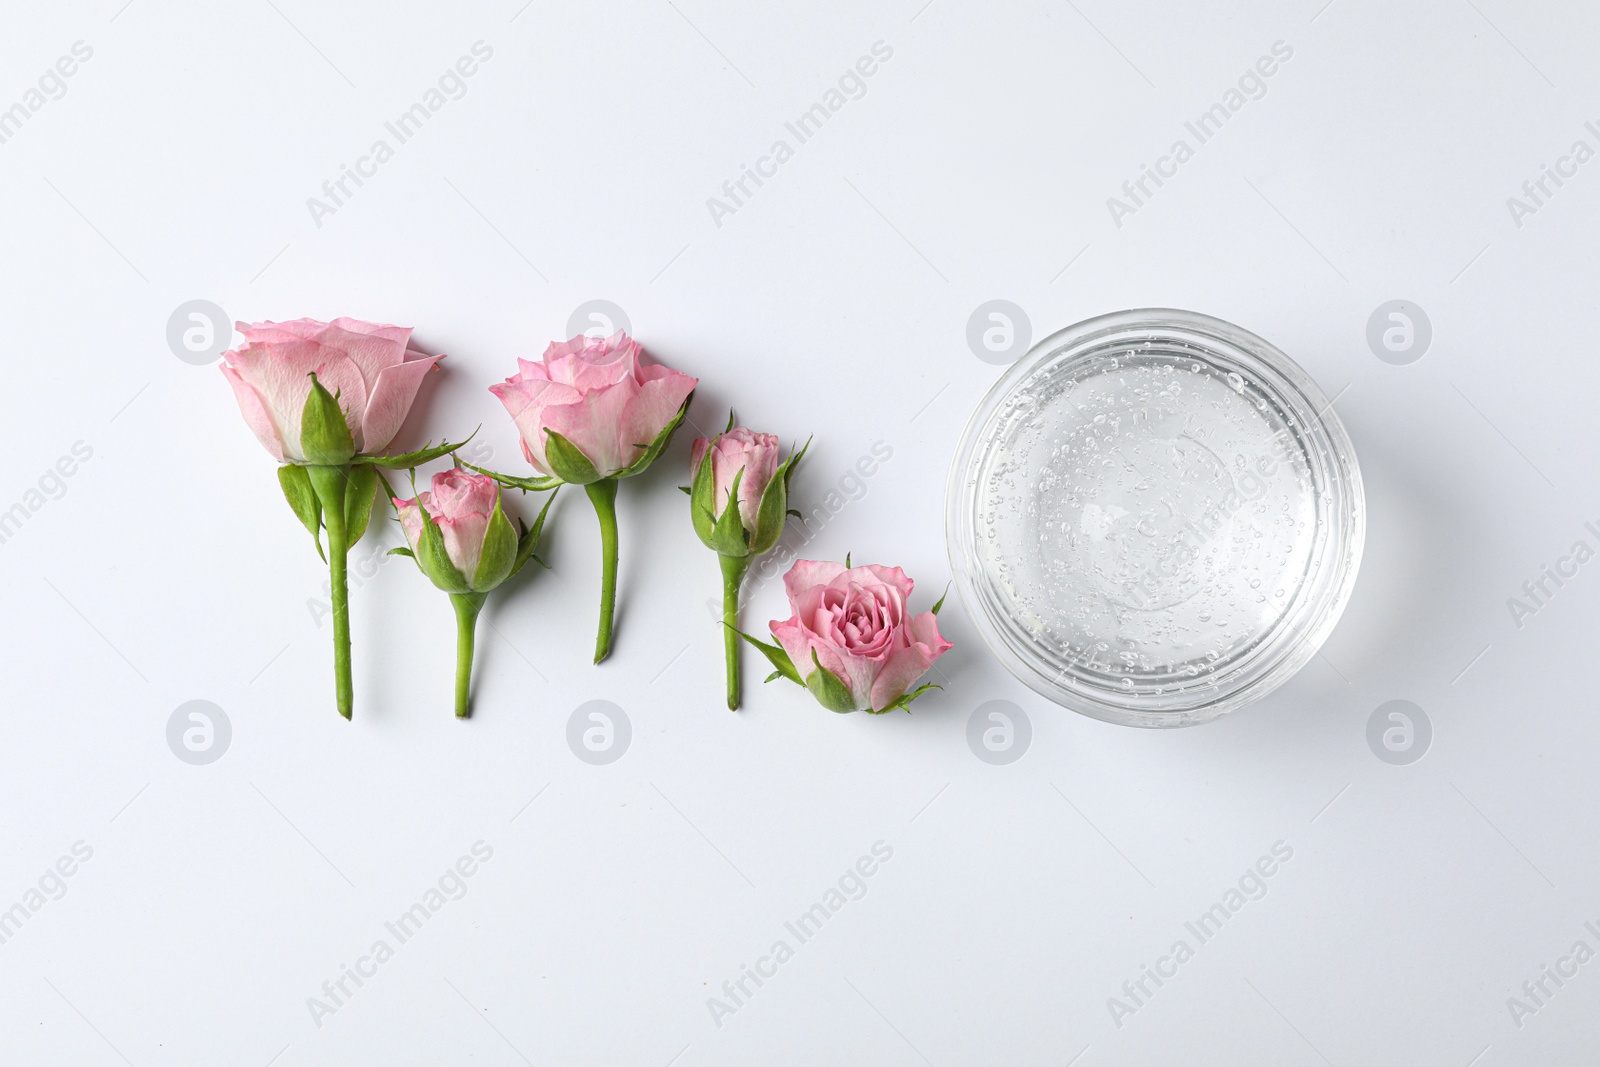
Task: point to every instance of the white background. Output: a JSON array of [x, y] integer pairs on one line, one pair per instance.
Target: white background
[[834, 302]]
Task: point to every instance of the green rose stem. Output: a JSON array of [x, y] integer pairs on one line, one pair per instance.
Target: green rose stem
[[467, 606], [603, 494], [733, 572], [329, 484], [326, 490]]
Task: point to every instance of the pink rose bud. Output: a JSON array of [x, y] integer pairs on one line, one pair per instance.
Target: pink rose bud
[[463, 542], [738, 503], [599, 396], [462, 507], [739, 450], [372, 369], [852, 638]]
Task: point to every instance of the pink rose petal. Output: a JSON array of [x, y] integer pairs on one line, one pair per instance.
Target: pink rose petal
[[392, 396]]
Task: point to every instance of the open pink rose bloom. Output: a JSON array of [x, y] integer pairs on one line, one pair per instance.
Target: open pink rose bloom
[[460, 504], [372, 369], [739, 449], [602, 394], [857, 622]]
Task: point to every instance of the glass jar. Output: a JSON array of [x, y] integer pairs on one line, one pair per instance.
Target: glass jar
[[1154, 518]]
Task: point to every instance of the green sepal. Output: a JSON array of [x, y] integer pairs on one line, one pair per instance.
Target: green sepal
[[729, 427], [529, 541], [499, 556], [942, 596], [903, 701], [331, 486], [359, 496], [829, 690], [406, 460], [568, 461], [775, 507], [402, 551], [847, 561], [774, 674], [770, 513], [296, 483], [325, 438], [703, 498], [685, 490], [728, 537], [776, 656], [387, 492], [432, 558], [656, 447], [537, 484], [793, 462]]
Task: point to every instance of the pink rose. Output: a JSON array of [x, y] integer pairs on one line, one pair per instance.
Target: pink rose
[[599, 394], [857, 623], [756, 454], [372, 369], [461, 506]]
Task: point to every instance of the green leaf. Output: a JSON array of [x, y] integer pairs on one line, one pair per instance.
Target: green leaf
[[324, 435], [296, 483], [537, 484], [422, 455], [359, 497], [728, 537], [568, 461], [903, 701], [942, 596], [829, 690], [499, 557], [529, 541], [776, 656], [659, 445]]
